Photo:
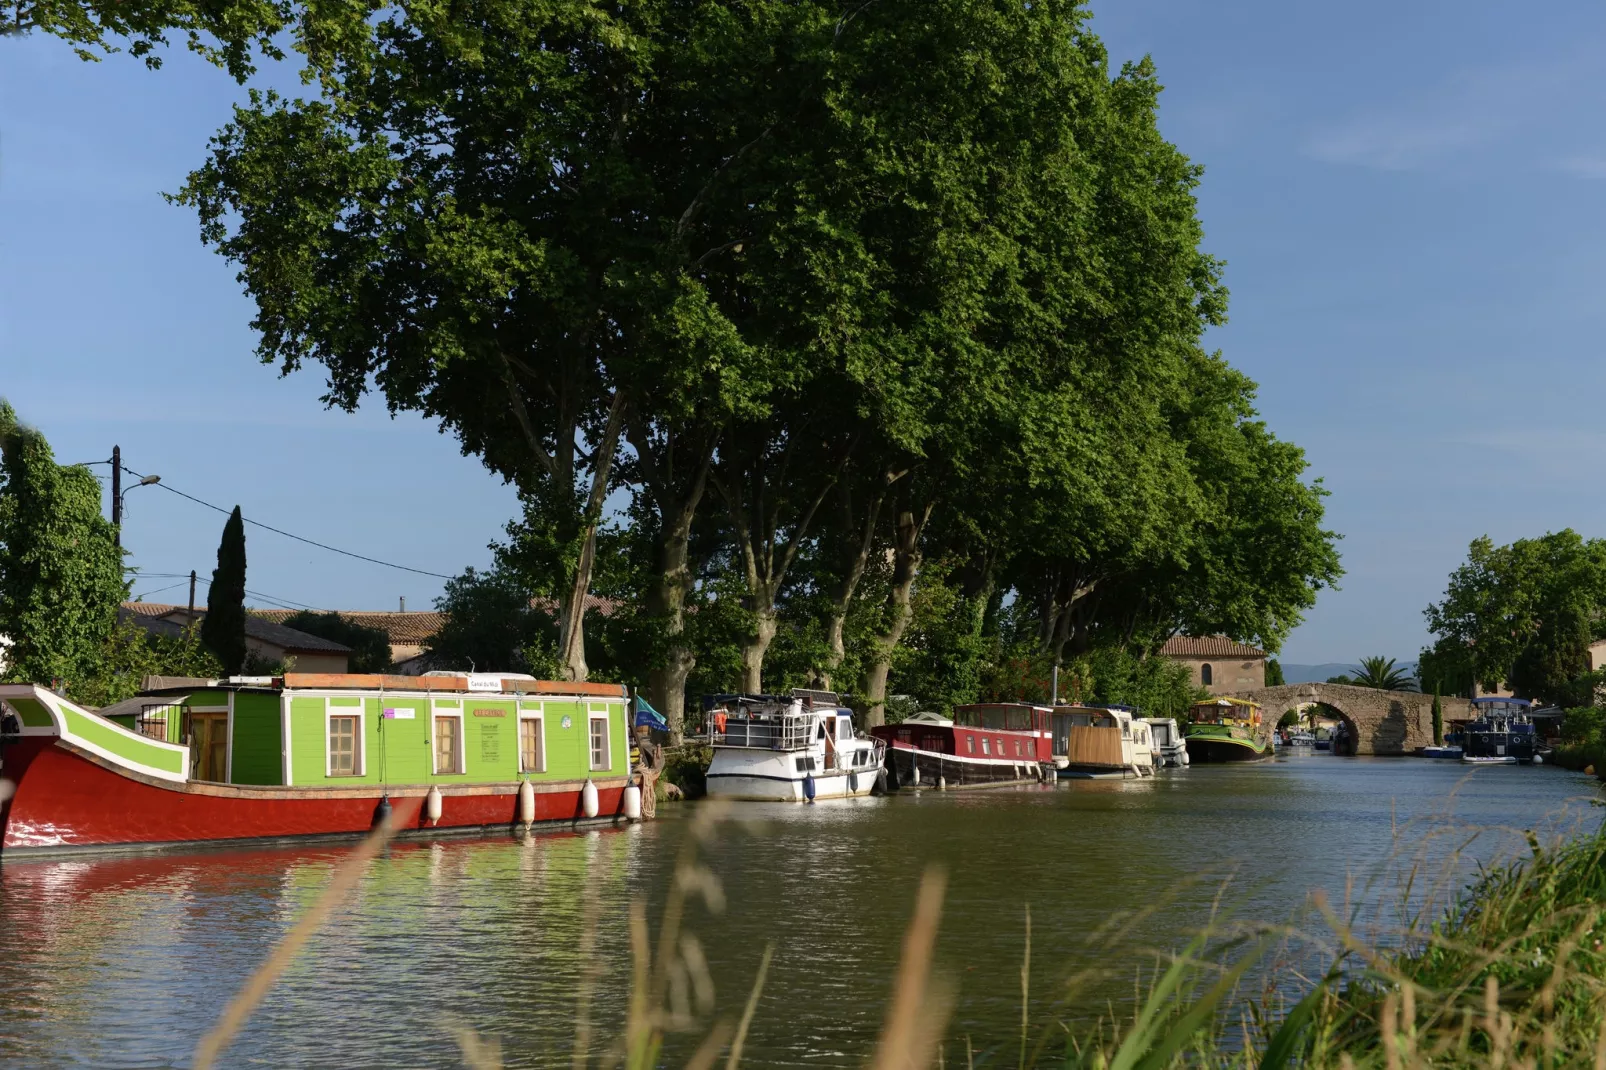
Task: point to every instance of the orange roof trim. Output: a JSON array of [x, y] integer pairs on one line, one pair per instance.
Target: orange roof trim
[[374, 681]]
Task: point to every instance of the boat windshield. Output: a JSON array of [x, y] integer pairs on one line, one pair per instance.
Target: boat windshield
[[995, 718]]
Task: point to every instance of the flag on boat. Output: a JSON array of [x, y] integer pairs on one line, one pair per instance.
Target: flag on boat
[[647, 717]]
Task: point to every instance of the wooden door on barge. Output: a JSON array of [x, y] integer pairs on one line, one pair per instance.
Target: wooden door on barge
[[209, 746]]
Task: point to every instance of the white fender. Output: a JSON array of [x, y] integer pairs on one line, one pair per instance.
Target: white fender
[[914, 775], [588, 799], [527, 803], [942, 782], [432, 804], [632, 803]]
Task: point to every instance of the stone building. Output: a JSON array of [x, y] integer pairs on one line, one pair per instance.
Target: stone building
[[1218, 664]]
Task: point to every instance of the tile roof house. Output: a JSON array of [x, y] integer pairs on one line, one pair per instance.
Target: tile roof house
[[265, 638], [1218, 664], [407, 629]]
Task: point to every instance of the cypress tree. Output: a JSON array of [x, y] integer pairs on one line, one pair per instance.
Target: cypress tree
[[1438, 718], [223, 629]]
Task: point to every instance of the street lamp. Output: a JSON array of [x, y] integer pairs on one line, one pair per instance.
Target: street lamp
[[118, 492]]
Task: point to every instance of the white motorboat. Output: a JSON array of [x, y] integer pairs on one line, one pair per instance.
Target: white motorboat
[[1170, 752], [795, 748], [1300, 739]]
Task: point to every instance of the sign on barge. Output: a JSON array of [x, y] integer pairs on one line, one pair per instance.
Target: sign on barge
[[305, 755]]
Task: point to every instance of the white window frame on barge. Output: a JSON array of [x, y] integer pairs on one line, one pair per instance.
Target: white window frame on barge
[[460, 759], [536, 713], [599, 711], [359, 711]]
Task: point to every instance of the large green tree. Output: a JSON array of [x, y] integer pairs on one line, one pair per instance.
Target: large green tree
[[1522, 615], [223, 627], [61, 574]]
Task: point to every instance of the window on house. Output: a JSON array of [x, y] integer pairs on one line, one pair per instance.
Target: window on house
[[1206, 674], [600, 758], [532, 747], [345, 745], [448, 745]]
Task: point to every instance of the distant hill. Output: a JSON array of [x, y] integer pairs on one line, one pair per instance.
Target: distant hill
[[1316, 674]]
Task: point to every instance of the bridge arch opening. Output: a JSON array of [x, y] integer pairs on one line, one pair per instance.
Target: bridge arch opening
[[1335, 724]]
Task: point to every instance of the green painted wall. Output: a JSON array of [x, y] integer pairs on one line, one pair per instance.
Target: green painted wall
[[400, 750], [256, 741]]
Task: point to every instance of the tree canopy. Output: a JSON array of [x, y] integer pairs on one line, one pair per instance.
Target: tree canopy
[[61, 573], [1521, 615], [888, 324]]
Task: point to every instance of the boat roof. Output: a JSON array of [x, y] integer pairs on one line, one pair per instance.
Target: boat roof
[[807, 696], [474, 683], [1223, 700]]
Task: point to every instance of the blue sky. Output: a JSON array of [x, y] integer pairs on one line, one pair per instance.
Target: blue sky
[[1409, 198]]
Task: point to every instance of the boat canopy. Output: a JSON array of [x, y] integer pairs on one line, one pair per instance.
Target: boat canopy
[[1225, 709]]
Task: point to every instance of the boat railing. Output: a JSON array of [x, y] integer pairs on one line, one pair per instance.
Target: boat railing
[[788, 732]]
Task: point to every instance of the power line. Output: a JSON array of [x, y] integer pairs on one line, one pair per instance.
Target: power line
[[159, 590], [288, 535], [274, 600]]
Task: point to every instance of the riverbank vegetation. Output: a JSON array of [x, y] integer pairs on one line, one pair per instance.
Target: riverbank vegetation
[[1524, 617], [859, 346]]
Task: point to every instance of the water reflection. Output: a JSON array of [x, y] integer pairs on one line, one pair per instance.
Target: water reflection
[[127, 961]]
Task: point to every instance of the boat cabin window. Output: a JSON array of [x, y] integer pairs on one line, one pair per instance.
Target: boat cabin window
[[1206, 674], [844, 728], [448, 744], [970, 744], [345, 744], [996, 718], [599, 742], [532, 743], [984, 746]]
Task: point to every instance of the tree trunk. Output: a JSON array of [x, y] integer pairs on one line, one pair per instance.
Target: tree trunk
[[666, 601], [675, 497], [858, 561], [765, 623], [572, 603], [905, 569]]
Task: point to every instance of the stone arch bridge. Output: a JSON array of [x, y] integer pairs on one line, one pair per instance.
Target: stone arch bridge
[[1380, 722]]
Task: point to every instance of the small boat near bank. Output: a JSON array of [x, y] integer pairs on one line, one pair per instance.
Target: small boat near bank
[[1227, 730], [984, 744], [1170, 750], [794, 748], [250, 759]]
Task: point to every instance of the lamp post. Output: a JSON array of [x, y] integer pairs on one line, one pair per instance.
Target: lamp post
[[118, 494]]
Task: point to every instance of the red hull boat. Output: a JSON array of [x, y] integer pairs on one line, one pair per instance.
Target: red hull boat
[[984, 744]]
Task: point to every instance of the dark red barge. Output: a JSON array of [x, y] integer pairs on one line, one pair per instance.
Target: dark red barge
[[983, 744]]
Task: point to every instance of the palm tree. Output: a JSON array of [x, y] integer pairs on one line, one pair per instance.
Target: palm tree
[[1381, 673]]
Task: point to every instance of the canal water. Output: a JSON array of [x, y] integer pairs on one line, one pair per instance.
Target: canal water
[[127, 961]]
